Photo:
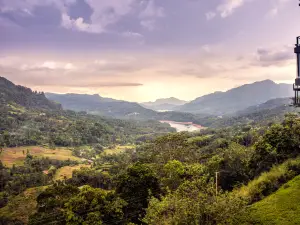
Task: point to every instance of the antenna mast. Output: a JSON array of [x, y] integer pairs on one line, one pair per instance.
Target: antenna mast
[[296, 85]]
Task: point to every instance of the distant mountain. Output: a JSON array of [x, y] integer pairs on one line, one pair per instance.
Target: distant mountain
[[25, 97], [164, 104], [236, 99], [171, 100], [269, 105], [271, 111], [96, 104]]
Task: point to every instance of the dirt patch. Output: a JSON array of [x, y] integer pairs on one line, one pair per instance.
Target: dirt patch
[[66, 171]]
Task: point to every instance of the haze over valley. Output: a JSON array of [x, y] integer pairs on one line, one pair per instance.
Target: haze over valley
[[185, 116]]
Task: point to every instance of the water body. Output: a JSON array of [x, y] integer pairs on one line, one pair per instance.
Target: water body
[[183, 127], [164, 110]]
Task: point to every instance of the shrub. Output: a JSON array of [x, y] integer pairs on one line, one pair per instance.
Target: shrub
[[194, 202]]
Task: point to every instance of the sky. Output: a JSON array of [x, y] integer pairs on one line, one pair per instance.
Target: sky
[[141, 50]]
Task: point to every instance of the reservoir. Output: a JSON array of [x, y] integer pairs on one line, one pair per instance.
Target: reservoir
[[183, 126]]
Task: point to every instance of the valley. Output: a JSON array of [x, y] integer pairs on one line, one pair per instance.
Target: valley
[[149, 112], [151, 158]]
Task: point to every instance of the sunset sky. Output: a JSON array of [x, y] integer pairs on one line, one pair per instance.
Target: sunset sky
[[141, 50]]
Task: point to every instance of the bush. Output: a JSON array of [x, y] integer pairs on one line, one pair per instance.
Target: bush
[[194, 203]]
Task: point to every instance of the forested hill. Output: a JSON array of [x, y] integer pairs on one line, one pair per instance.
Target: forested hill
[[29, 118], [23, 96], [220, 103], [98, 105]]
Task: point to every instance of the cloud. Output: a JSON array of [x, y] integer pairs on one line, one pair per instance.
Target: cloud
[[148, 24], [206, 69], [97, 73], [105, 12], [108, 84], [134, 35], [108, 12], [273, 12], [210, 15], [27, 6], [229, 6], [277, 6], [152, 11], [206, 48], [225, 9], [150, 14], [62, 78], [274, 57], [59, 77], [79, 25], [116, 66], [8, 23], [198, 72]]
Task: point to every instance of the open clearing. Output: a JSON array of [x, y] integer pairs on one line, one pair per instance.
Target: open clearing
[[66, 171], [16, 156]]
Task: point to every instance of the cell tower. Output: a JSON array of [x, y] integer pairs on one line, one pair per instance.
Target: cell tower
[[296, 85]]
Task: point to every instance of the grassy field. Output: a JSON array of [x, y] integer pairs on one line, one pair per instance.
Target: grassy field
[[67, 171], [280, 208], [16, 156], [118, 149], [22, 206]]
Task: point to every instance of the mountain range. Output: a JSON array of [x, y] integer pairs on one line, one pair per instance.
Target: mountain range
[[244, 99], [164, 104], [236, 99], [95, 104], [218, 103]]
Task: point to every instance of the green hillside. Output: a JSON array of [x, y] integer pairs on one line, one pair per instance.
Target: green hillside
[[280, 208], [28, 118]]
